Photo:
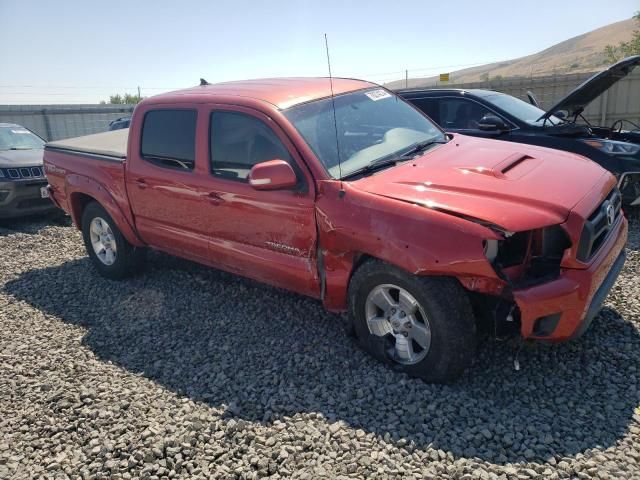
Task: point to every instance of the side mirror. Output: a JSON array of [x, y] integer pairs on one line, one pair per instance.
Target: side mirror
[[560, 114], [532, 99], [272, 175], [492, 123]]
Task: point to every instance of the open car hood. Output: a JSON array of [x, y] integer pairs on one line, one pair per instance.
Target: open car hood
[[584, 94]]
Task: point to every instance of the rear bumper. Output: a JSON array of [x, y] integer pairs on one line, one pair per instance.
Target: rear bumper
[[21, 198], [564, 308]]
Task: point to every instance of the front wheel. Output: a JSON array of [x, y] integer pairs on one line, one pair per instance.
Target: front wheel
[[110, 253], [423, 326]]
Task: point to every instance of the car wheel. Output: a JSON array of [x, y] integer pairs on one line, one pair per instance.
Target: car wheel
[[110, 253], [423, 326]]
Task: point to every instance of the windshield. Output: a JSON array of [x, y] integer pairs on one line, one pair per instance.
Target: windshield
[[372, 124], [520, 109], [19, 138]]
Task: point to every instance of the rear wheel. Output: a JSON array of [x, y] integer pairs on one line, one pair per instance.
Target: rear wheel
[[423, 326], [109, 251]]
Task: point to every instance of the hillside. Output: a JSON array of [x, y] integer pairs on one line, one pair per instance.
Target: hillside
[[578, 54]]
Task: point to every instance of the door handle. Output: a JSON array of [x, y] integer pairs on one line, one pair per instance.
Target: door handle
[[215, 198], [141, 182]]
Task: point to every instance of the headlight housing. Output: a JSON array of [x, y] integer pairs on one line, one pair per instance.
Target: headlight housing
[[530, 257], [614, 147]]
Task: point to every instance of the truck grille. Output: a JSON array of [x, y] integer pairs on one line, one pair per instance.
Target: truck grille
[[22, 173], [599, 224]]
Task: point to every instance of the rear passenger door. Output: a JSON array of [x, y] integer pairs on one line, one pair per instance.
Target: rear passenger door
[[166, 179], [266, 235]]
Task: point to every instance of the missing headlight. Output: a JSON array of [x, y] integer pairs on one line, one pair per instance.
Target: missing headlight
[[513, 250], [532, 257]]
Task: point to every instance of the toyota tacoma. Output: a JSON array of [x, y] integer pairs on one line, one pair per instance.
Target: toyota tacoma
[[342, 191]]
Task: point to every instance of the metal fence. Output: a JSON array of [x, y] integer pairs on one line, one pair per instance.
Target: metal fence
[[620, 101], [55, 122]]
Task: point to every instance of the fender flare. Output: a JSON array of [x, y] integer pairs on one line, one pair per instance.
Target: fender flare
[[77, 185]]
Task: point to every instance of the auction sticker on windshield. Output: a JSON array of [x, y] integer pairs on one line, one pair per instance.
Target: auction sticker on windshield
[[376, 95]]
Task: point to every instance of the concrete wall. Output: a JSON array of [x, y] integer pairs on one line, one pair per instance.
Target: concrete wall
[[54, 122], [620, 101]]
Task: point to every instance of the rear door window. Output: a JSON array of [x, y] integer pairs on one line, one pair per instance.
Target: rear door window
[[169, 138]]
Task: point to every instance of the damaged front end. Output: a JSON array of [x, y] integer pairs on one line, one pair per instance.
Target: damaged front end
[[522, 260], [555, 277]]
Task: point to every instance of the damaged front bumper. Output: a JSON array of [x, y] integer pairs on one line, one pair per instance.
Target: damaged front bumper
[[564, 308]]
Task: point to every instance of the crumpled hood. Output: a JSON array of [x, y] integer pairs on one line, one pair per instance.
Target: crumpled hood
[[576, 101], [20, 158], [513, 186]]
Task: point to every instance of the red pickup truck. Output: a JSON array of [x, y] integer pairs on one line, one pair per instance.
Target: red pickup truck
[[359, 200]]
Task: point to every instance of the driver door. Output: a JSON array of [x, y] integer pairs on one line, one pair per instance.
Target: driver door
[[266, 235]]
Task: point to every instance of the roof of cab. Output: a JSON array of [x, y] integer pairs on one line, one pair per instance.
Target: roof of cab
[[280, 92]]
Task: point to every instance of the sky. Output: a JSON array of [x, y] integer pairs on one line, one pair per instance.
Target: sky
[[82, 51]]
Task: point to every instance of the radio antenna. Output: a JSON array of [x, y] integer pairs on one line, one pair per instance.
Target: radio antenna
[[335, 121]]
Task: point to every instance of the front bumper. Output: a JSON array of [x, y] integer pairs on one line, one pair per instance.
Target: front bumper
[[22, 197], [564, 308]]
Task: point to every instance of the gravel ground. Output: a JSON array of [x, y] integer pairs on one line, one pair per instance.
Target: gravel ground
[[187, 372]]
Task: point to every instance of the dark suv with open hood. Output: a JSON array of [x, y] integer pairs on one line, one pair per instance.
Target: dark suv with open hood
[[21, 173], [489, 114]]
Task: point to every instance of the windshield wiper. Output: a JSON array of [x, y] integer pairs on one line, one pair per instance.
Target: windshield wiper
[[393, 158], [21, 148], [372, 167], [420, 147]]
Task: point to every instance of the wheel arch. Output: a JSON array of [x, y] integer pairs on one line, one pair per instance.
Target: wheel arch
[[337, 272], [78, 201]]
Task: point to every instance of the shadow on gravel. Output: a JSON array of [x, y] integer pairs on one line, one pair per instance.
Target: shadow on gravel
[[32, 225], [262, 354]]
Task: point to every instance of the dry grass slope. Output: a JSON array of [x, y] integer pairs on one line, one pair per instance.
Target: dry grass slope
[[583, 53]]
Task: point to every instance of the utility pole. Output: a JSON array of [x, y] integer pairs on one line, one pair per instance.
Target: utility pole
[[406, 79], [139, 92]]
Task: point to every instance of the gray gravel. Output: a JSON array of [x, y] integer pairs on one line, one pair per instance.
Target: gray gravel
[[187, 372]]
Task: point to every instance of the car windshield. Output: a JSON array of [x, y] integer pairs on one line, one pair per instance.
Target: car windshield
[[372, 125], [520, 109], [19, 138]]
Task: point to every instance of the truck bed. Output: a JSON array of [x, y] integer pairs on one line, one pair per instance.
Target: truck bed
[[108, 144]]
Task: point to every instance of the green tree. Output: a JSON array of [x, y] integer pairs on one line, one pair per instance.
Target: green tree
[[126, 99], [624, 49]]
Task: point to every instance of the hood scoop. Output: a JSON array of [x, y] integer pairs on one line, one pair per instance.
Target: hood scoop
[[513, 167]]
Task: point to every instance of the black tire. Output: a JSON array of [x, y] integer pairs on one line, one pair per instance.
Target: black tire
[[129, 260], [449, 315]]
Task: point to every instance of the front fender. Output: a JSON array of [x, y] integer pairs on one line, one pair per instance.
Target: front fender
[[416, 239]]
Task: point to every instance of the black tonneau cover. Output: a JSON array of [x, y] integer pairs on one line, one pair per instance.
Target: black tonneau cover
[[108, 144]]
